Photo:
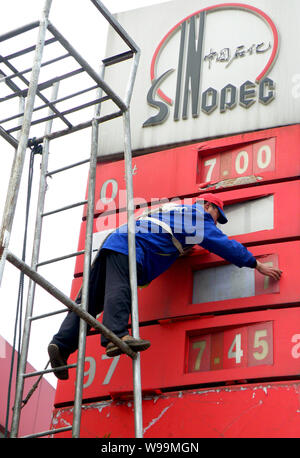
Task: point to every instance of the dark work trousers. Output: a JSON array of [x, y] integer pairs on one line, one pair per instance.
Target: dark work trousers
[[109, 291]]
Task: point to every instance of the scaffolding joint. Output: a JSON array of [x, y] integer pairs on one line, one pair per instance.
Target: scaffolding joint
[[35, 145]]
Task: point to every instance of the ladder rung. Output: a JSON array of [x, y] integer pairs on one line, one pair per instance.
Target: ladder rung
[[62, 114], [67, 207], [19, 31], [49, 432], [9, 138], [47, 371], [27, 50], [118, 58], [27, 70], [81, 126], [67, 167], [45, 315], [61, 258], [43, 86]]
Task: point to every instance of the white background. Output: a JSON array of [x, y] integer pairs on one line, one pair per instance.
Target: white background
[[83, 26]]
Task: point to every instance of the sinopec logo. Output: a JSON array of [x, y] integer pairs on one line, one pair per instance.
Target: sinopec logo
[[209, 49]]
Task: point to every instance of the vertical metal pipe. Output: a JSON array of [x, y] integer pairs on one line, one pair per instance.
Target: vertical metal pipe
[[100, 92], [21, 111], [138, 419], [34, 261], [132, 76], [85, 286], [115, 24], [17, 168], [87, 265]]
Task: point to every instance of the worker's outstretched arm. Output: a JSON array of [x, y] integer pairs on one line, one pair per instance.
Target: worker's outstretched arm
[[269, 271], [217, 242]]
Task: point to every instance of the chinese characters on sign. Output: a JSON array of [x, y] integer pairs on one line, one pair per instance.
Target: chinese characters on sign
[[226, 54]]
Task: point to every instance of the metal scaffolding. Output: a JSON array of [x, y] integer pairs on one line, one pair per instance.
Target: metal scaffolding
[[33, 90]]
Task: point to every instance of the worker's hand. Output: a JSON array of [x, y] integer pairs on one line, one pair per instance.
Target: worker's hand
[[269, 271]]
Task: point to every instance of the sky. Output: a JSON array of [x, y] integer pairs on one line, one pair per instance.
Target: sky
[[84, 27]]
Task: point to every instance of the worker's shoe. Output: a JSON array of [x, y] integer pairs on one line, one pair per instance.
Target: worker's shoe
[[58, 358], [135, 345]]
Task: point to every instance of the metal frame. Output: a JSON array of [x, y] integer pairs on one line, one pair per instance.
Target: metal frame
[[35, 90]]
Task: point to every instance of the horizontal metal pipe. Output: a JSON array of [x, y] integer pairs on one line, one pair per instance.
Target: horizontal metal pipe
[[13, 86], [60, 258], [46, 315], [19, 30], [63, 113], [27, 70], [27, 50], [44, 85], [90, 71], [67, 207], [48, 371], [48, 433], [81, 126], [9, 138], [115, 24], [67, 167], [55, 102], [59, 295], [38, 93], [117, 58]]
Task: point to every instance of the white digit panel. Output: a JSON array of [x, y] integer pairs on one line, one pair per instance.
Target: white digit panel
[[221, 283], [250, 216], [225, 282]]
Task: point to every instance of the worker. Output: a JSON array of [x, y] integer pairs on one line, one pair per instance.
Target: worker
[[161, 237]]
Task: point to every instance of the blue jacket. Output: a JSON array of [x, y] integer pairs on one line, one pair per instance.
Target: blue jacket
[[191, 225]]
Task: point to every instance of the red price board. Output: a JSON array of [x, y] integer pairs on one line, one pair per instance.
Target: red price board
[[217, 349], [245, 346], [244, 411], [255, 159], [176, 293], [256, 214], [263, 156], [169, 173]]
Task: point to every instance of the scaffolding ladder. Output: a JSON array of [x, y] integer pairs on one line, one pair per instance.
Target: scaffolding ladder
[[34, 90]]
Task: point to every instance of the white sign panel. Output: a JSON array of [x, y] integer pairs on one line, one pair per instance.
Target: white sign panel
[[207, 69], [251, 216], [222, 283]]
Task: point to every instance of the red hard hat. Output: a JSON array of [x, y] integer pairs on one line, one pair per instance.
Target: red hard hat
[[209, 197]]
